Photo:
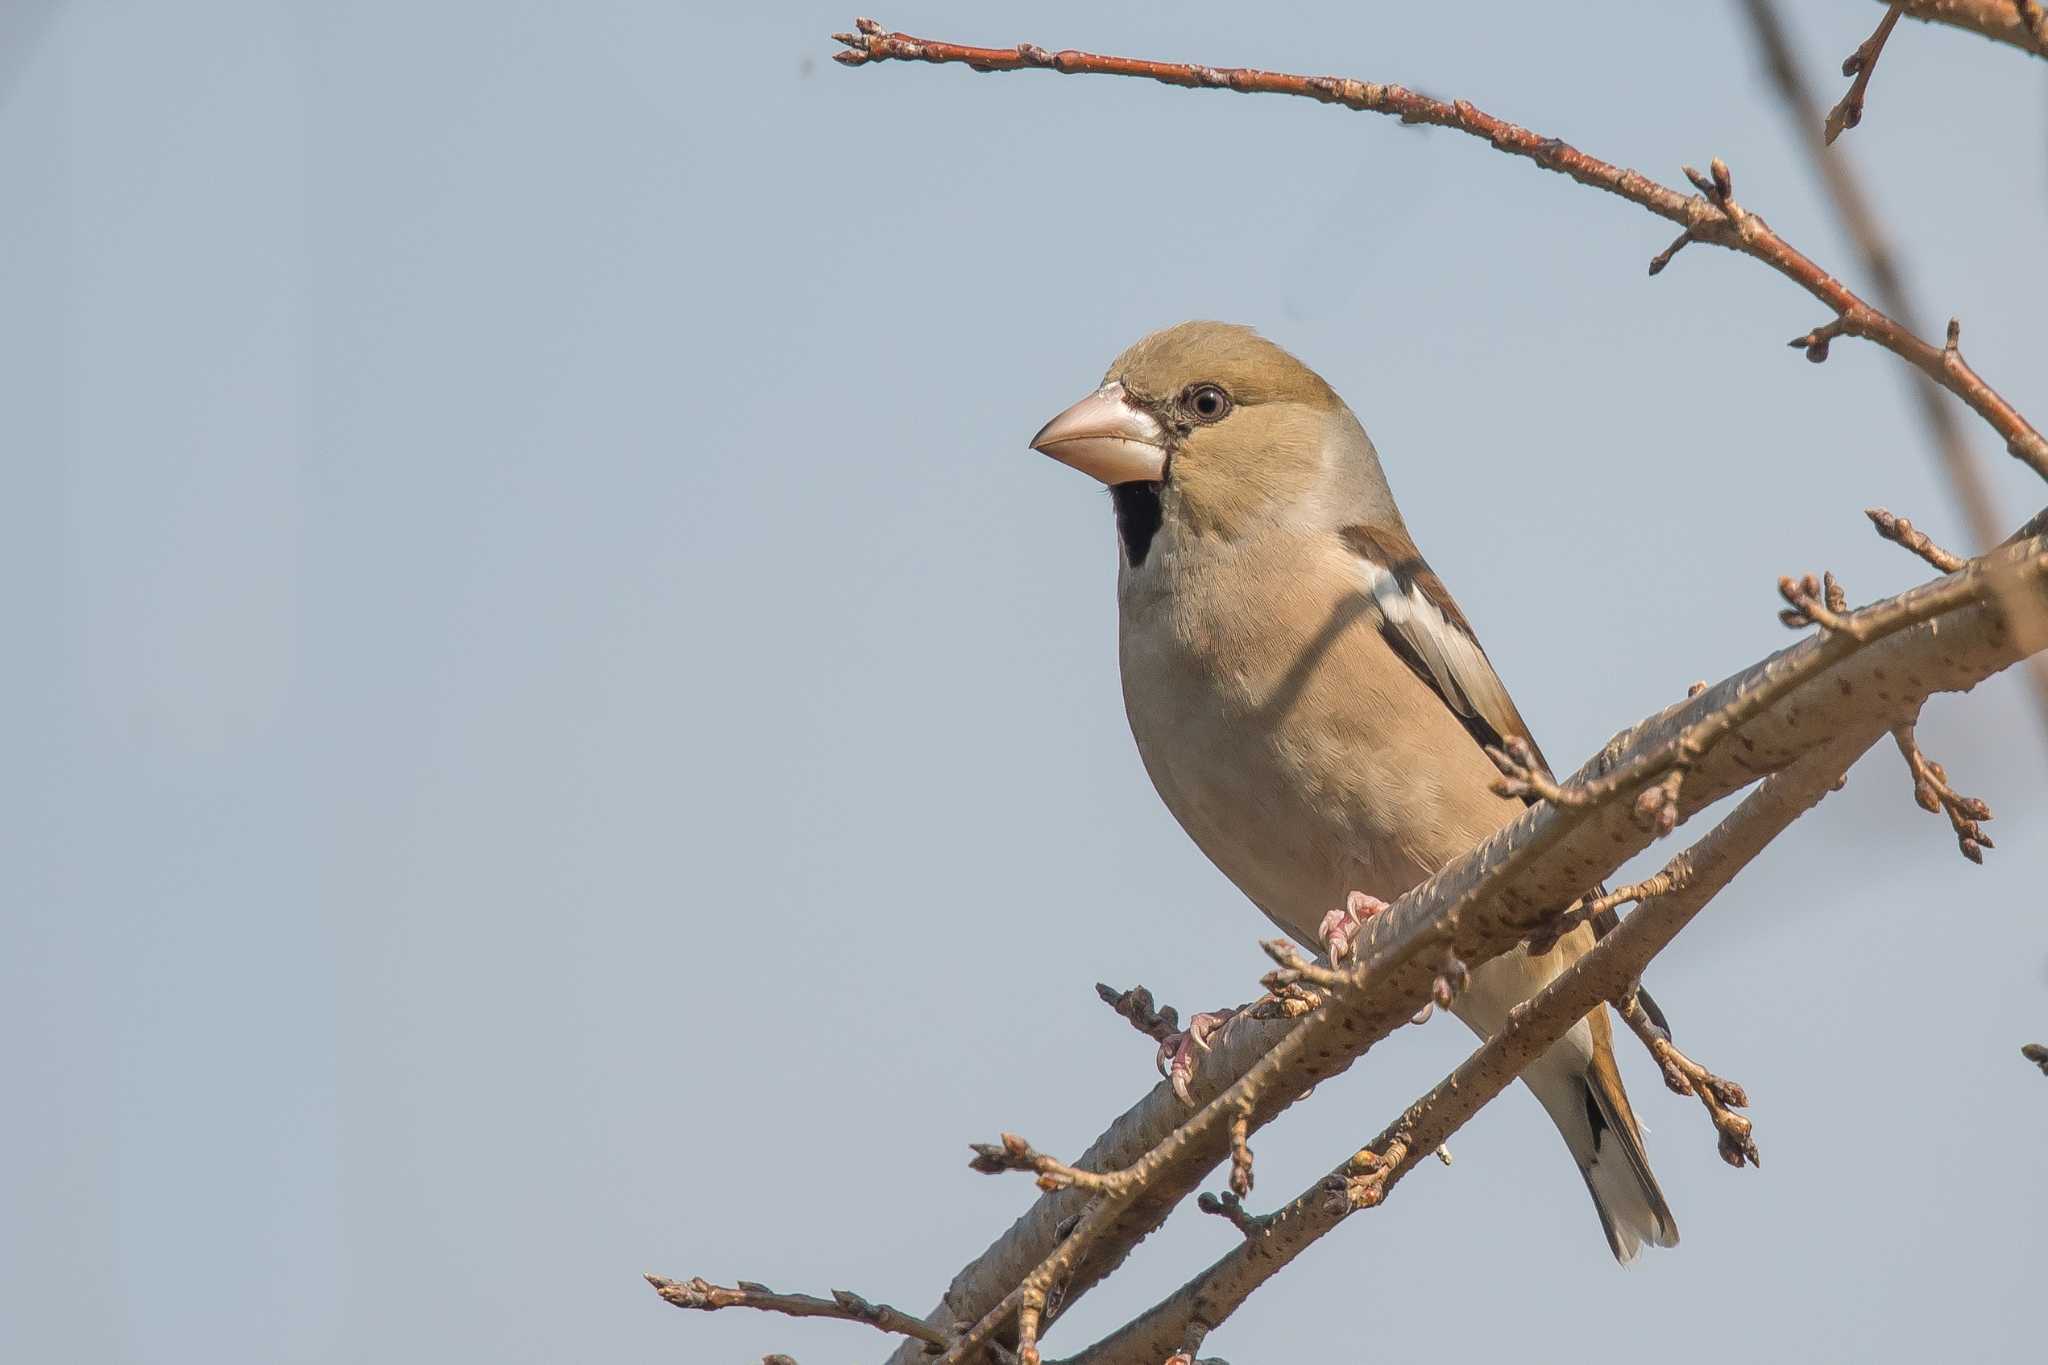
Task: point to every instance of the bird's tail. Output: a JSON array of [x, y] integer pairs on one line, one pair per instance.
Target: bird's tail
[[1581, 1088]]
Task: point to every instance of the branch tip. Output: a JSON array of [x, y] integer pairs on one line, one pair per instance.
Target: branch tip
[[1862, 64], [1933, 794]]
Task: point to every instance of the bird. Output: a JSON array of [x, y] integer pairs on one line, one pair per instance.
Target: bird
[[1306, 696]]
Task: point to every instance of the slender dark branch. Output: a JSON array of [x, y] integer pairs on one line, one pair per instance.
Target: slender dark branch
[[1862, 63]]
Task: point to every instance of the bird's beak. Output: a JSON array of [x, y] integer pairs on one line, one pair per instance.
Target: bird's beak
[[1104, 435]]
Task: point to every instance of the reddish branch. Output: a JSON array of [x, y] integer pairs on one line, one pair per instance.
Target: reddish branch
[[2022, 23], [1848, 111], [1711, 216]]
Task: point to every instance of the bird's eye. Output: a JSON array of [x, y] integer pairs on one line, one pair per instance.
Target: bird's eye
[[1207, 402]]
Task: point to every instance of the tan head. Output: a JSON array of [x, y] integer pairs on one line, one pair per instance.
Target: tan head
[[1229, 430]]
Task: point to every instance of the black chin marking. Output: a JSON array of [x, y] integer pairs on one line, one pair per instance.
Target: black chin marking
[[1137, 518]]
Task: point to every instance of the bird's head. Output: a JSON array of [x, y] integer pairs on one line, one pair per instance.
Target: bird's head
[[1238, 430]]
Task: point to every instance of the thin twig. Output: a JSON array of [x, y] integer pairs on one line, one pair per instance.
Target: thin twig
[[701, 1294], [1900, 531], [1815, 602], [1935, 796], [1848, 111], [1158, 1023], [1013, 1153], [1711, 216], [1684, 1076], [1228, 1205]]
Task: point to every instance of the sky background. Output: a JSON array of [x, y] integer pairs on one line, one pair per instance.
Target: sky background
[[554, 728]]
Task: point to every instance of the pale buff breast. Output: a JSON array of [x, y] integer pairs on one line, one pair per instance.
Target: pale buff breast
[[1297, 750]]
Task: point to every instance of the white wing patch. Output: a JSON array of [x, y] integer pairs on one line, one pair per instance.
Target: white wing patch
[[1459, 667]]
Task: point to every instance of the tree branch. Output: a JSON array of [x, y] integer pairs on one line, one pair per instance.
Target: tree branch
[[1712, 216], [1862, 64], [1943, 635], [1607, 973], [707, 1297], [1859, 219], [2021, 23]]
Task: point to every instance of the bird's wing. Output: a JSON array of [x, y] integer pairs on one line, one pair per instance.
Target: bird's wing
[[1422, 623], [1420, 619]]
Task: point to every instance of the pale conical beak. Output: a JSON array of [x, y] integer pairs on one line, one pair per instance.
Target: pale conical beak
[[1104, 435]]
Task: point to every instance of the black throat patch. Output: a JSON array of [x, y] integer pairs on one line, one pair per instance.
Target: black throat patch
[[1137, 518]]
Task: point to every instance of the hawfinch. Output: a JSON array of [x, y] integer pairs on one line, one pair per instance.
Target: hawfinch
[[1307, 697]]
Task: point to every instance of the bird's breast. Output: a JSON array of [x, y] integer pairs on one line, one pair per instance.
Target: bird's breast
[[1268, 722]]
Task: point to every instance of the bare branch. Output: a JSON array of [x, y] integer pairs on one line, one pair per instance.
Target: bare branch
[[1853, 209], [1815, 602], [1899, 531], [1848, 111], [1604, 973], [1711, 216], [701, 1294], [1943, 635], [2021, 23], [1935, 796], [1684, 1076], [1013, 1153], [1135, 1005]]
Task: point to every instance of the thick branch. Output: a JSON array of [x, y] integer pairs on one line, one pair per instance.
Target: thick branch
[[1710, 216], [2022, 23], [1607, 973], [1940, 636]]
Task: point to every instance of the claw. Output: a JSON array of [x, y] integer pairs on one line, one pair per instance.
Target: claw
[[1177, 1051], [1421, 1016], [1339, 930]]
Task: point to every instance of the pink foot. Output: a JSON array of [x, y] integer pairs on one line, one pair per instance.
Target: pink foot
[[1179, 1052], [1340, 929]]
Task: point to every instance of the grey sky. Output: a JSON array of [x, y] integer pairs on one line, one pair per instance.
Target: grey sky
[[556, 730]]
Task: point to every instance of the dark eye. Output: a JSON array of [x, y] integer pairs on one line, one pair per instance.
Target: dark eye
[[1207, 402]]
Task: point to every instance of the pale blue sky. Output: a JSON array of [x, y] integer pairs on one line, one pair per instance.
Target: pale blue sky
[[556, 729]]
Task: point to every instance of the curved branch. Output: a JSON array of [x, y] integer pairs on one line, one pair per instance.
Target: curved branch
[[1710, 216]]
